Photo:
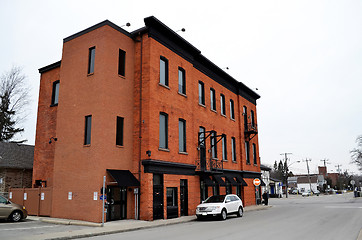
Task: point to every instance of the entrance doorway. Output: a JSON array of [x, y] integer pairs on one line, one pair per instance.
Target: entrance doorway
[[117, 203], [183, 197], [157, 196]]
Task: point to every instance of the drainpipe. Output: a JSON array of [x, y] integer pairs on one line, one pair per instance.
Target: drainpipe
[[140, 129]]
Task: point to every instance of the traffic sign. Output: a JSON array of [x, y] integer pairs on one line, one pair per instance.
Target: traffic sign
[[256, 182], [103, 197]]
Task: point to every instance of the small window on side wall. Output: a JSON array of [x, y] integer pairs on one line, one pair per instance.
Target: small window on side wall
[[55, 94], [181, 81], [122, 63], [92, 54], [87, 131], [163, 71], [201, 93], [119, 133]]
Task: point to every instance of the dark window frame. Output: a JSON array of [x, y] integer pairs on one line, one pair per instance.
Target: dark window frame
[[88, 130], [224, 148], [202, 136], [254, 154], [213, 140], [232, 110], [202, 92], [252, 118], [182, 86], [119, 131], [174, 197], [212, 99], [247, 152], [122, 63], [182, 148], [166, 130], [55, 93], [165, 60], [91, 59], [233, 149], [222, 105]]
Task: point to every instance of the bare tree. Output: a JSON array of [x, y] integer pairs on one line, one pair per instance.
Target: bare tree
[[356, 153], [14, 97]]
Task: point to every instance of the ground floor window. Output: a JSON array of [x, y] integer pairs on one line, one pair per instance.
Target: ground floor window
[[172, 204], [228, 187], [203, 191], [216, 189]]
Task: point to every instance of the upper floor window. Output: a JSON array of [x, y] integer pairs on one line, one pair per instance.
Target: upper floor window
[[122, 63], [233, 152], [213, 144], [245, 114], [182, 135], [252, 118], [119, 131], [201, 93], [247, 155], [163, 71], [201, 136], [222, 104], [224, 148], [212, 99], [55, 94], [254, 154], [232, 115], [92, 54], [163, 130], [181, 81], [87, 131]]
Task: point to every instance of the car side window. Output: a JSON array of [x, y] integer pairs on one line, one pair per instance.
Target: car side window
[[233, 198], [228, 199], [3, 200]]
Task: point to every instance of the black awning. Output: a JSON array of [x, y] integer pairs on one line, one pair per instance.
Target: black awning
[[262, 183], [241, 180], [232, 180], [124, 178], [207, 181], [219, 180]]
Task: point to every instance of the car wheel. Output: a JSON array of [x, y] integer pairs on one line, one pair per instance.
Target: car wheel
[[223, 214], [240, 212], [16, 216]]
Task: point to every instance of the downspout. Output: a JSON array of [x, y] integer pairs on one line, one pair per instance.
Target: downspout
[[240, 139], [140, 129]]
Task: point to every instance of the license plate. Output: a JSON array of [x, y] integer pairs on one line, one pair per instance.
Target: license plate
[[204, 214]]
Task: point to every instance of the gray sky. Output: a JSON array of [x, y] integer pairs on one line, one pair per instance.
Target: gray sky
[[305, 58]]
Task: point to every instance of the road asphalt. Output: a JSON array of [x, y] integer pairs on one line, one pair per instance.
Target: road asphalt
[[114, 226]]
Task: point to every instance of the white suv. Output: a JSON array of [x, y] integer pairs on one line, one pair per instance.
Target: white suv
[[221, 206]]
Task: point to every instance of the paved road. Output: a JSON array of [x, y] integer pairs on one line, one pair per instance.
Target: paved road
[[323, 217], [24, 229]]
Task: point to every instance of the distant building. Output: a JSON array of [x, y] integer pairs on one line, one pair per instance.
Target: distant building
[[16, 166]]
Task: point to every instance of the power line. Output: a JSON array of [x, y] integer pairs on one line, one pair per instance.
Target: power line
[[325, 161]]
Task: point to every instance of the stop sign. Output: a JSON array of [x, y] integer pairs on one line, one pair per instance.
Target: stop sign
[[256, 182]]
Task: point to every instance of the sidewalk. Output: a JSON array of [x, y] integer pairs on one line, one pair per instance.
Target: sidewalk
[[114, 226]]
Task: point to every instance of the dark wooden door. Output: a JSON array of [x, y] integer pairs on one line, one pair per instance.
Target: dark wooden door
[[184, 197], [157, 202]]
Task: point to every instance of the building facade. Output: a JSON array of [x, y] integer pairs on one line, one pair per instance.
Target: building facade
[[146, 109]]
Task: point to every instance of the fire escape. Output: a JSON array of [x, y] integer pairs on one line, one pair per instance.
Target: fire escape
[[211, 164], [251, 130]]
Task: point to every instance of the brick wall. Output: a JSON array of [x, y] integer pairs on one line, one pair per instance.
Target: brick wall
[[15, 178]]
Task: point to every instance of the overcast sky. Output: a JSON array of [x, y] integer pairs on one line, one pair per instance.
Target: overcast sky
[[305, 58]]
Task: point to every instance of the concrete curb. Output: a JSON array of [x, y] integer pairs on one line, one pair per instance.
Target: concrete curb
[[360, 235], [114, 227]]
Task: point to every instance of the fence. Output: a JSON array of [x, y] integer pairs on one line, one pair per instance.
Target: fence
[[37, 201]]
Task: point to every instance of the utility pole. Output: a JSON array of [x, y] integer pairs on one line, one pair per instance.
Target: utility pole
[[286, 172], [338, 169], [325, 161], [310, 184]]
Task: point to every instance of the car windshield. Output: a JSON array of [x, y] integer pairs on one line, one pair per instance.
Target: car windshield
[[215, 199]]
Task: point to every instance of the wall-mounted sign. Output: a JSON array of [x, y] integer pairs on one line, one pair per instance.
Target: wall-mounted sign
[[256, 182]]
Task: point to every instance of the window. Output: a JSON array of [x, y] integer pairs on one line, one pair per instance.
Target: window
[[163, 130], [3, 200], [245, 113], [171, 193], [119, 131], [254, 154], [201, 136], [203, 190], [233, 153], [201, 93], [222, 104], [215, 189], [55, 94], [182, 135], [213, 144], [163, 71], [92, 54], [252, 118], [228, 189], [212, 99], [247, 152], [238, 191], [232, 115], [181, 81], [224, 148], [87, 132], [122, 63]]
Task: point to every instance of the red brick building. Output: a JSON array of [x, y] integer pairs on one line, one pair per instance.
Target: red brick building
[[146, 109]]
